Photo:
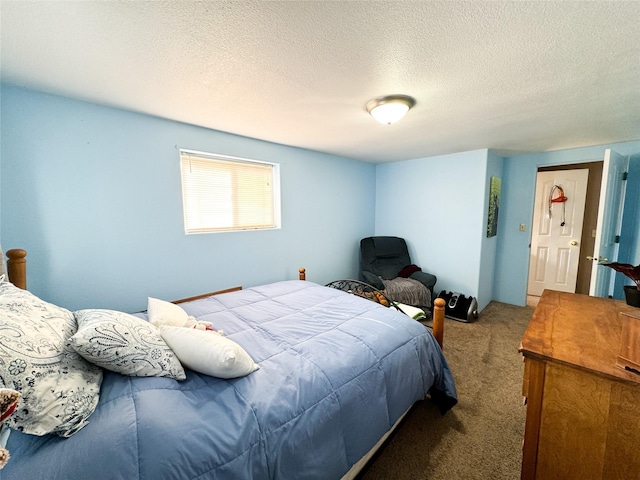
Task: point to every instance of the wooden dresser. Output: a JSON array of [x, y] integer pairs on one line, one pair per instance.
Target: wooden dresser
[[583, 410]]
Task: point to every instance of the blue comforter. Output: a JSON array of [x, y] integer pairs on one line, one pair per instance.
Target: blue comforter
[[336, 372]]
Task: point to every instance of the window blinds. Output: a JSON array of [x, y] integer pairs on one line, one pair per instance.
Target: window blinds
[[223, 193]]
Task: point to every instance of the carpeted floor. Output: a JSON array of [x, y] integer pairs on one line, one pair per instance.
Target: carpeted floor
[[481, 437]]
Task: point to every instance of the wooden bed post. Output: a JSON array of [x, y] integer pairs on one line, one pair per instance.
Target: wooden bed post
[[438, 320], [302, 273], [17, 267]]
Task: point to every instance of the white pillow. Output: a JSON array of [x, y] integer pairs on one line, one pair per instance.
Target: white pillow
[[59, 389], [207, 352], [161, 312], [124, 344]]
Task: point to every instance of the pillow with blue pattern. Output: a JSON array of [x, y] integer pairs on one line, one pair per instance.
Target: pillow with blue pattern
[[124, 344], [59, 389]]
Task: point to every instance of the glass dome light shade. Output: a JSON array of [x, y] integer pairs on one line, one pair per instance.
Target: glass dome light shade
[[390, 109]]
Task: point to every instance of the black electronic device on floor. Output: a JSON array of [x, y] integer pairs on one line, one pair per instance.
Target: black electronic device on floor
[[459, 307]]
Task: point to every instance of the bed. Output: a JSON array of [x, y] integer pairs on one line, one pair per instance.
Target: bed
[[329, 376]]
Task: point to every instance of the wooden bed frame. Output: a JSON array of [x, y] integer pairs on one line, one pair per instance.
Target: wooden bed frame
[[17, 267], [17, 271]]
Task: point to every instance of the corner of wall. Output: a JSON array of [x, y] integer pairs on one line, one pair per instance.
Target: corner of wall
[[489, 245]]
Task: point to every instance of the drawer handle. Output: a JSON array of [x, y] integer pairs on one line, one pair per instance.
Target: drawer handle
[[631, 369]]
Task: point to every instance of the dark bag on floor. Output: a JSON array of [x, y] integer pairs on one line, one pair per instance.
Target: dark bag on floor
[[458, 307]]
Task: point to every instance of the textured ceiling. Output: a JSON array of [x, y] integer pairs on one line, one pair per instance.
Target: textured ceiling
[[513, 76]]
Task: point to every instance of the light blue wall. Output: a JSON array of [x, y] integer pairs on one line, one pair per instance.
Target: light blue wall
[[438, 204], [518, 189], [93, 194]]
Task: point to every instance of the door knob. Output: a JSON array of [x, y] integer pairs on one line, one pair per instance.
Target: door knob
[[573, 243]]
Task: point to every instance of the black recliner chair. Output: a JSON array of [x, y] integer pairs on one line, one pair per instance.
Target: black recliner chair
[[388, 257]]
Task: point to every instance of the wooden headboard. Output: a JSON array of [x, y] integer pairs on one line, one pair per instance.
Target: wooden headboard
[[17, 270], [17, 267]]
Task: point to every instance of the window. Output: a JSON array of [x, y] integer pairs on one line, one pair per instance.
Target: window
[[222, 193]]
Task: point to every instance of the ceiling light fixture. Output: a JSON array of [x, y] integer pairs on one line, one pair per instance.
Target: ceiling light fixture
[[391, 108]]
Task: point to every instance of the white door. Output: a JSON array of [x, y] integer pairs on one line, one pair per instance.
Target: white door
[[557, 230], [612, 191]]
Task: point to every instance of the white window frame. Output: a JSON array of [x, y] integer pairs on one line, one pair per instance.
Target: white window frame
[[199, 192]]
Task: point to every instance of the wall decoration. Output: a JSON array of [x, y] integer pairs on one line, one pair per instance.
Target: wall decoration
[[494, 204]]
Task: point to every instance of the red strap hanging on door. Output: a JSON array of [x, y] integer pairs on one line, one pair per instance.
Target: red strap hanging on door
[[561, 198]]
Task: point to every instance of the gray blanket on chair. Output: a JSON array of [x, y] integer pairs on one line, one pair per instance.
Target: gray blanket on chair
[[407, 290]]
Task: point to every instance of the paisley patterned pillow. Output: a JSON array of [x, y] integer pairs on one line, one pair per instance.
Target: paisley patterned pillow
[[3, 264], [124, 344], [59, 388]]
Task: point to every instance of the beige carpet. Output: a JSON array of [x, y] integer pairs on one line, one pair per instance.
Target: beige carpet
[[481, 437]]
